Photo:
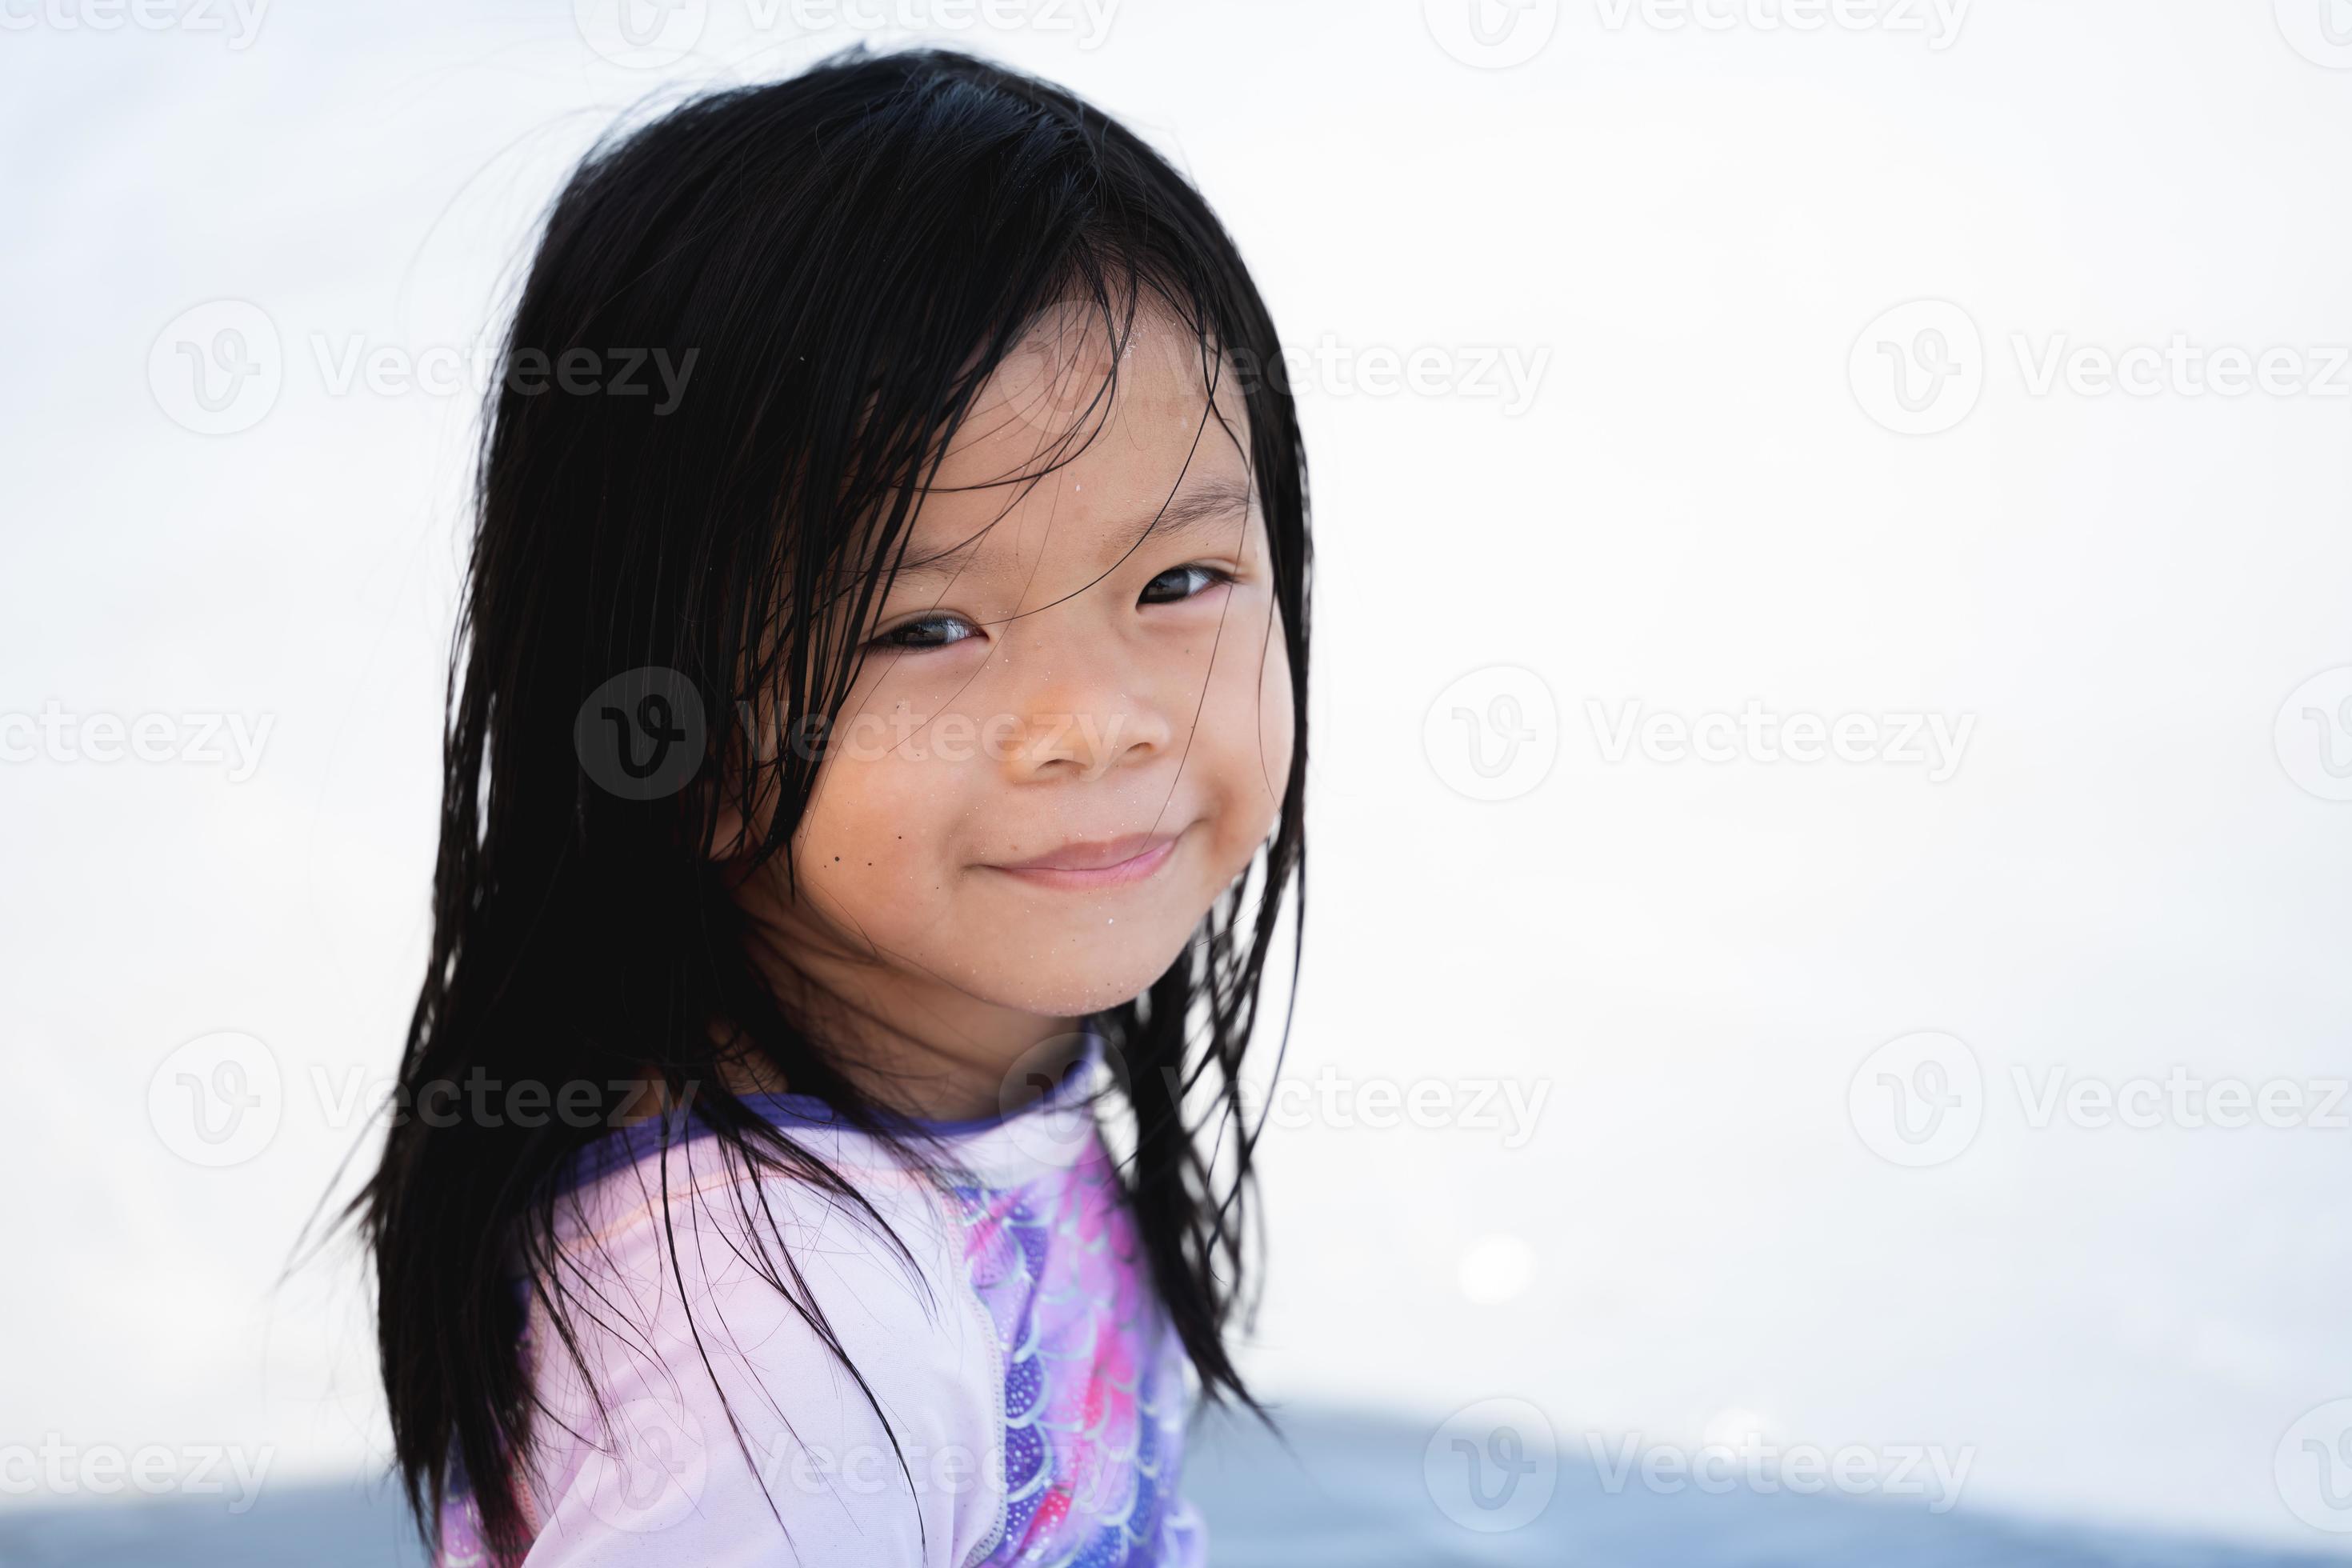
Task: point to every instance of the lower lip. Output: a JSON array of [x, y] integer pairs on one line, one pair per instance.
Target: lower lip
[[1118, 876]]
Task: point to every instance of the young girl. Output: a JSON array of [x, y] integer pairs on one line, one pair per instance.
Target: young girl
[[873, 779]]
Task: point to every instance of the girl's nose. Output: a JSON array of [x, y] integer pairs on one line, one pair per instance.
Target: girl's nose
[[1085, 707]]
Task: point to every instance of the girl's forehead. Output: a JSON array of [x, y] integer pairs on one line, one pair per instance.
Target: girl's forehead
[[1079, 370], [1077, 424]]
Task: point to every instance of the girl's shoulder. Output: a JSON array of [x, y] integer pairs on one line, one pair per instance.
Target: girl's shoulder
[[754, 1342], [950, 1371]]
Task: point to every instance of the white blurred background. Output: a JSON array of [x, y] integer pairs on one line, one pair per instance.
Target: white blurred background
[[1698, 494]]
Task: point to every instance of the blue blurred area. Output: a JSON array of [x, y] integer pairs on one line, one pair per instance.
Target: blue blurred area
[[1347, 1492], [1351, 1491]]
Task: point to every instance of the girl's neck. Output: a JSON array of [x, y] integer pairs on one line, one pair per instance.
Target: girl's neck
[[973, 1074], [912, 1041]]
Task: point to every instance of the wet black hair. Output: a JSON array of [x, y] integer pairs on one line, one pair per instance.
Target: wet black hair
[[840, 259]]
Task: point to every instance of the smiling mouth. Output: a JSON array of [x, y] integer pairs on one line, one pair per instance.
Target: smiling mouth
[[1113, 863]]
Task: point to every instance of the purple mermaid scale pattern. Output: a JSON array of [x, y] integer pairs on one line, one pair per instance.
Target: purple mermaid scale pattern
[[1094, 1390], [460, 1534]]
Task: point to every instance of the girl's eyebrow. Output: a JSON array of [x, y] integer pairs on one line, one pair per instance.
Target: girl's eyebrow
[[1190, 511]]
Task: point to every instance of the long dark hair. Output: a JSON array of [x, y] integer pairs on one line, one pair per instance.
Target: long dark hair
[[846, 255]]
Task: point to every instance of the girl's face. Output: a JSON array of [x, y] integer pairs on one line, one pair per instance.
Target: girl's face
[[1089, 668]]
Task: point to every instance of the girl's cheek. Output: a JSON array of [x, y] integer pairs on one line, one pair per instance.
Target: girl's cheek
[[1252, 712], [1277, 717], [874, 821]]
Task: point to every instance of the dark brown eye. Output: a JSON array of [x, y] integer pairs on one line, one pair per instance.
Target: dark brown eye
[[920, 637], [1181, 578]]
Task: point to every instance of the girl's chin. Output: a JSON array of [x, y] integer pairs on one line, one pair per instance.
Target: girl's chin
[[1085, 976]]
